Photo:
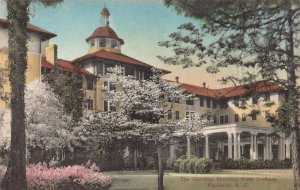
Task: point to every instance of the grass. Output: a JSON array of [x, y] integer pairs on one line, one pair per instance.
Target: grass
[[217, 180]]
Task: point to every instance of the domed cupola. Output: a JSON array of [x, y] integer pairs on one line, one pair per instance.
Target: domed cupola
[[104, 37]]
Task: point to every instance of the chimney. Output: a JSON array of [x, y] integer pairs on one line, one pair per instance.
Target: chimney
[[177, 79], [204, 84], [51, 54]]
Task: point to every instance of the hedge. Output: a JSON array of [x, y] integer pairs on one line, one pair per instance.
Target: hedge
[[194, 165], [255, 164]]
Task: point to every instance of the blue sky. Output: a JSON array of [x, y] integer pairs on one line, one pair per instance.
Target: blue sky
[[141, 23]]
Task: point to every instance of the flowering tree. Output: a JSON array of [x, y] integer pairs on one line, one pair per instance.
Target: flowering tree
[[101, 138], [46, 125], [147, 101]]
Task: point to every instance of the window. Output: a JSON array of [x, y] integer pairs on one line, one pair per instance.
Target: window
[[110, 86], [253, 115], [243, 117], [139, 74], [214, 104], [90, 104], [177, 115], [189, 114], [208, 103], [176, 100], [226, 118], [90, 84], [201, 101], [129, 71], [114, 43], [169, 115], [147, 75], [236, 117], [92, 42], [107, 106], [215, 120], [189, 102], [267, 97], [99, 69], [222, 119], [107, 66], [102, 42]]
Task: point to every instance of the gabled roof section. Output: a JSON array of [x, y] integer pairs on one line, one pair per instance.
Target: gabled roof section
[[255, 87], [231, 92], [113, 57], [32, 28], [65, 65], [197, 90]]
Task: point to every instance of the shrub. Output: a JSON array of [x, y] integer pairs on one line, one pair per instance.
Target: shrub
[[183, 167], [194, 165], [40, 177], [256, 164], [203, 166], [191, 165]]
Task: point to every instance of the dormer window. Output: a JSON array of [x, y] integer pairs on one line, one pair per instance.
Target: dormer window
[[114, 44], [93, 43], [102, 42]]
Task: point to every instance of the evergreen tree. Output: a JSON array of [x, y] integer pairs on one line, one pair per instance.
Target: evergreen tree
[[18, 17], [254, 35]]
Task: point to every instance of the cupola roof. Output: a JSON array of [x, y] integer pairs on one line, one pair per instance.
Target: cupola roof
[[107, 32]]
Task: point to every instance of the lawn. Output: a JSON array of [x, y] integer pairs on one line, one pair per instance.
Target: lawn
[[217, 180]]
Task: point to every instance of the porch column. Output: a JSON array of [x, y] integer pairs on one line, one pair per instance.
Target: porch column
[[235, 146], [188, 141], [255, 147], [238, 146], [229, 145], [243, 149], [269, 143], [206, 146], [266, 148], [283, 148], [270, 149], [288, 148], [279, 148], [251, 147]]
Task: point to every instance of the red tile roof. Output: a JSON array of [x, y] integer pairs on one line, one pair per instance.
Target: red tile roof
[[32, 28], [114, 57], [105, 31], [230, 92], [65, 65]]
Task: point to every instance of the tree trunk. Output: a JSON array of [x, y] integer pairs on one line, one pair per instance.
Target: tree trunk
[[293, 102], [160, 168], [18, 17]]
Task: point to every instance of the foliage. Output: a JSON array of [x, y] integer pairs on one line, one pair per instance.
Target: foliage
[[47, 127], [40, 177], [194, 165], [281, 119], [139, 98], [256, 164], [68, 87]]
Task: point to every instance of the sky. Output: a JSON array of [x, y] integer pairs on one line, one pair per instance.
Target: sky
[[140, 23]]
